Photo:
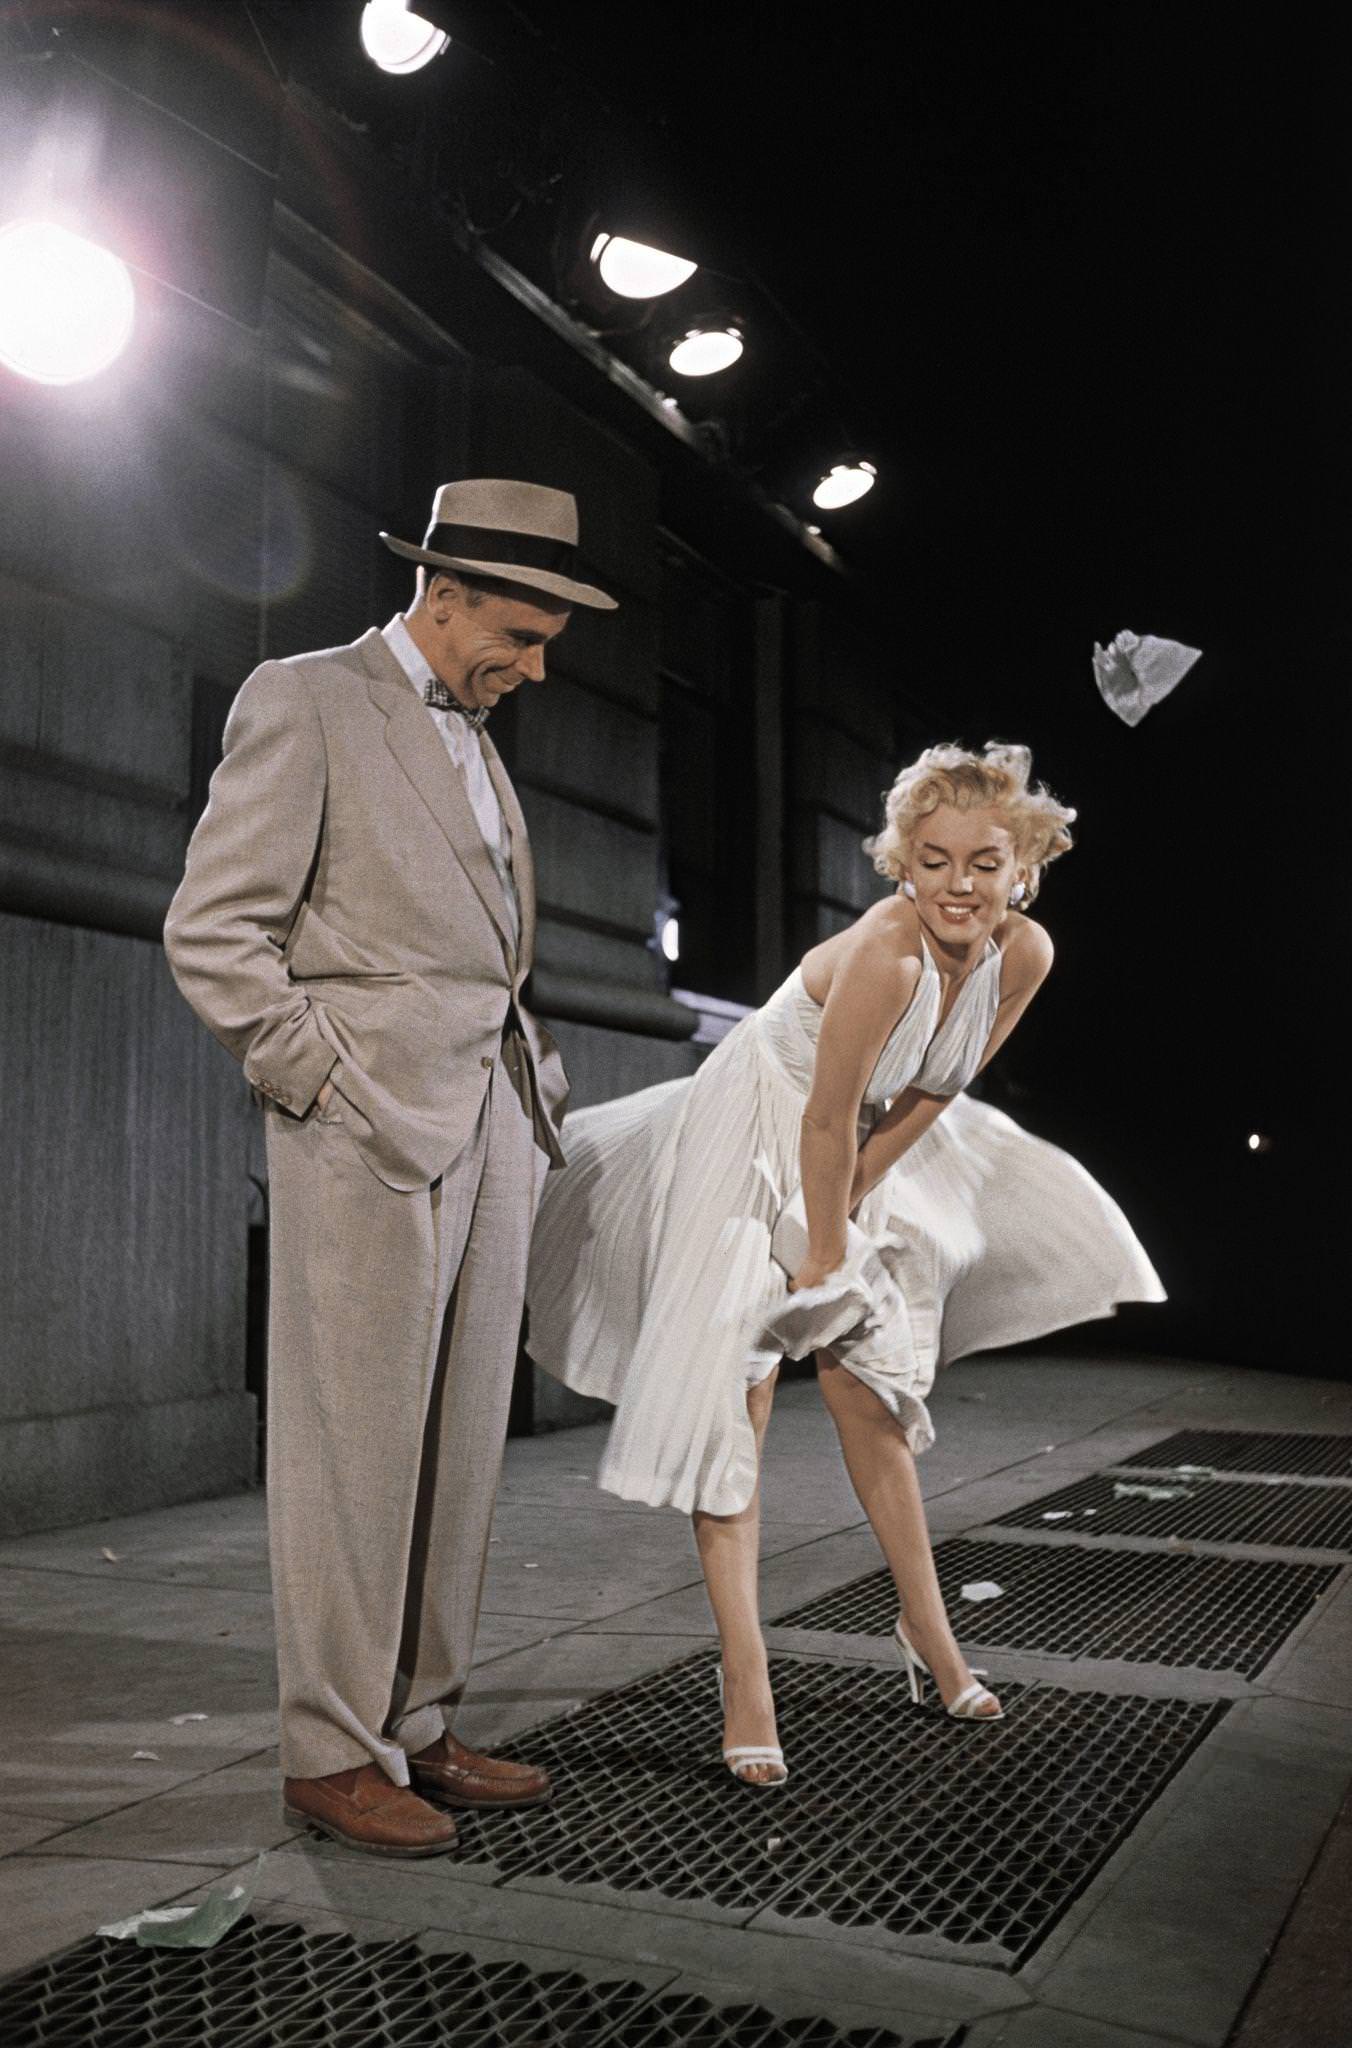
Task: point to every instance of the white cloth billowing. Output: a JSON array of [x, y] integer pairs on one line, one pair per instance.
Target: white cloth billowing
[[1133, 672], [662, 1254]]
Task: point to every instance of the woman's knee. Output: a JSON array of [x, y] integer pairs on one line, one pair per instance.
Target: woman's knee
[[850, 1400]]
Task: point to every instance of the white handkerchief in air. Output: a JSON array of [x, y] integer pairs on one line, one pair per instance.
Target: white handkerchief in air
[[1134, 672]]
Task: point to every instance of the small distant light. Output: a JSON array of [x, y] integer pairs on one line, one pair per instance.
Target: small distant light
[[669, 938], [632, 270], [815, 531], [396, 40], [66, 305], [846, 482], [704, 351], [1258, 1142]]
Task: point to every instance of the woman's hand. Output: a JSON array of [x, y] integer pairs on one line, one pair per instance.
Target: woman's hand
[[814, 1273]]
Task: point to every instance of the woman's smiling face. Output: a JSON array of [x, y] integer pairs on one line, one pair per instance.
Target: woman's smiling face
[[962, 867]]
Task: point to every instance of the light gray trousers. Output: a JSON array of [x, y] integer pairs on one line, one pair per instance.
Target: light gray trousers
[[392, 1337]]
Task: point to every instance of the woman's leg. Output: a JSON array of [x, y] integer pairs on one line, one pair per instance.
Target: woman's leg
[[729, 1551], [882, 1472]]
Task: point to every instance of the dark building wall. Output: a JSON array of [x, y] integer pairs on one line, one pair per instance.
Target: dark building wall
[[842, 741], [213, 500]]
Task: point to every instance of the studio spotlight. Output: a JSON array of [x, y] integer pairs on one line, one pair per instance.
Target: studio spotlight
[[633, 270], [399, 41], [846, 482], [704, 351], [66, 305]]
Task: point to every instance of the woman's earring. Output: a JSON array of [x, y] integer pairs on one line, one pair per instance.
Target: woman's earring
[[908, 889], [1017, 893]]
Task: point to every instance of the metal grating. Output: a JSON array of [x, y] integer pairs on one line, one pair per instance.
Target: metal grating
[[643, 1802], [997, 1845], [113, 1992], [684, 2021], [413, 1999], [1216, 1510], [1240, 1450], [1210, 1613], [279, 1987]]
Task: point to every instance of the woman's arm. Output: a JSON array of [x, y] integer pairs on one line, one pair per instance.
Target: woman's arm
[[1026, 967], [871, 989]]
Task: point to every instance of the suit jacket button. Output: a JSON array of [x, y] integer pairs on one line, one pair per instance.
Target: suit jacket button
[[487, 1060]]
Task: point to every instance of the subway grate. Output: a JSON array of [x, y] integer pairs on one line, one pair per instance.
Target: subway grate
[[1208, 1613], [108, 1992], [279, 1987], [1242, 1450], [1063, 1777], [683, 2020], [410, 1998], [996, 1848], [1213, 1510]]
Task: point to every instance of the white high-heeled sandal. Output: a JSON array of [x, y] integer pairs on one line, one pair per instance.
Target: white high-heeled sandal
[[744, 1754], [964, 1707]]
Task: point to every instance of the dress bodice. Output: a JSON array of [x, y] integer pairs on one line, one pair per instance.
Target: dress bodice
[[941, 1060]]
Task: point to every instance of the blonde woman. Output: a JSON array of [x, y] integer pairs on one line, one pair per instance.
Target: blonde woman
[[823, 1185]]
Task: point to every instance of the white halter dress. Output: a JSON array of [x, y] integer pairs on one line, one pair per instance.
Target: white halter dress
[[661, 1257]]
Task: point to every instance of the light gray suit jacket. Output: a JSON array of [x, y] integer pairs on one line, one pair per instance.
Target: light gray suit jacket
[[340, 906]]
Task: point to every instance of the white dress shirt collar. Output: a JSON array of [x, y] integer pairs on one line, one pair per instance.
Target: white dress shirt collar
[[407, 653]]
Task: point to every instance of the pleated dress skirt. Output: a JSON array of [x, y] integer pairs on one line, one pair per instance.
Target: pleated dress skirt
[[662, 1252]]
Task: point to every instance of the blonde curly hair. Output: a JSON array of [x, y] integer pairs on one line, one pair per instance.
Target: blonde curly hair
[[998, 776]]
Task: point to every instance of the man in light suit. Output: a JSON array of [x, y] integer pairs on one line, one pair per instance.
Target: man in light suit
[[355, 924]]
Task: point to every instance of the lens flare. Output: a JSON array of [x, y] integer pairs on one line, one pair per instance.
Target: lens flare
[[66, 306], [632, 270]]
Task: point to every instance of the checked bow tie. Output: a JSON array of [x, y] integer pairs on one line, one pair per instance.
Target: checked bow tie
[[440, 699]]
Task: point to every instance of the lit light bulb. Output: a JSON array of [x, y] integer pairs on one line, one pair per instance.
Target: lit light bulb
[[634, 271], [66, 305], [396, 40], [704, 351], [1258, 1142], [846, 482], [671, 938]]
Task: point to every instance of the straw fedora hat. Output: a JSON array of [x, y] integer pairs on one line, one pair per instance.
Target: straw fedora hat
[[518, 533]]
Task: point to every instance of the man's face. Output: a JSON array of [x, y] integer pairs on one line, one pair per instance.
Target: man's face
[[483, 651]]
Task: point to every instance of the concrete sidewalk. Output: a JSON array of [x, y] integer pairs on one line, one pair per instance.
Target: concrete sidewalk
[[115, 1632]]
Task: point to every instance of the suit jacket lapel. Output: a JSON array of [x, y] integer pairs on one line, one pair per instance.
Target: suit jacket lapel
[[523, 866], [412, 737]]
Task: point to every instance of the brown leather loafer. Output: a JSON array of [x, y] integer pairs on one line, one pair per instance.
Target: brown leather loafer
[[364, 1810], [456, 1776]]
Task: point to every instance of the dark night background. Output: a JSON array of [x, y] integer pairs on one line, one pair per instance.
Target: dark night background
[[1070, 279], [1068, 271]]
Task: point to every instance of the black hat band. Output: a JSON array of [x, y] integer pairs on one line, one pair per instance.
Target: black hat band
[[492, 544]]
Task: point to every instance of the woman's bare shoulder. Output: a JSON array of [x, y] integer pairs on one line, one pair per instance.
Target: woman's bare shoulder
[[880, 948], [1026, 950], [889, 932]]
